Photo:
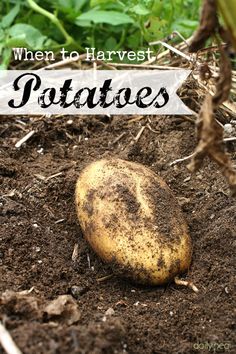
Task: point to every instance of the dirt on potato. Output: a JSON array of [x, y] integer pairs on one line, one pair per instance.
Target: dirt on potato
[[39, 234]]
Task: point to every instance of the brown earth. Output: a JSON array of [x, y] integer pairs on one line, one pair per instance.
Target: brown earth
[[39, 231]]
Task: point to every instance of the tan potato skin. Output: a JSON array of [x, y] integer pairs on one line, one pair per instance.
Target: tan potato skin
[[131, 219]]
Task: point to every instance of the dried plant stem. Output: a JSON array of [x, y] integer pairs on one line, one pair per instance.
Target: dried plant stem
[[7, 342], [106, 277], [182, 159], [25, 139]]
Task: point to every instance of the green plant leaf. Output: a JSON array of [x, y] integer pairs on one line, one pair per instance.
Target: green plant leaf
[[10, 17], [69, 5], [83, 23], [140, 9], [185, 27], [94, 3], [114, 18], [110, 43], [191, 24], [6, 58], [155, 29], [31, 35], [2, 34], [16, 42], [78, 4], [134, 41], [1, 47]]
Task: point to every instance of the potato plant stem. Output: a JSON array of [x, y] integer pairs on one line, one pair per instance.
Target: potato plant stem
[[227, 9], [53, 19]]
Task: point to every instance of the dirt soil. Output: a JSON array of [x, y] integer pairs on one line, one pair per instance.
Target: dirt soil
[[39, 232]]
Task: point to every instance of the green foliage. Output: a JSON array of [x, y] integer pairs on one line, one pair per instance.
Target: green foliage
[[113, 18], [104, 24]]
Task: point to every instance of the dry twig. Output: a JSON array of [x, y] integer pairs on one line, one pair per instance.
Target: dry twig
[[181, 160], [7, 342], [25, 138], [75, 253], [138, 136], [106, 277]]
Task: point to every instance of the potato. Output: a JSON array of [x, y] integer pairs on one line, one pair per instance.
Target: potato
[[131, 219]]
